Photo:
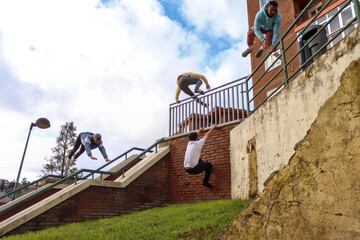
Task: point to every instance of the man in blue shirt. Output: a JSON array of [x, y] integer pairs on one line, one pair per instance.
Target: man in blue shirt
[[268, 23], [88, 141]]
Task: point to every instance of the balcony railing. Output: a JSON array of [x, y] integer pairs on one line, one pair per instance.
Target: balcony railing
[[220, 105]]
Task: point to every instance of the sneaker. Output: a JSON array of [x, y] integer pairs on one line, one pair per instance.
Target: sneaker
[[108, 160], [207, 185], [247, 51], [199, 91], [258, 54]]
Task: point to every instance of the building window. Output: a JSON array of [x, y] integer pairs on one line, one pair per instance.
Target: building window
[[314, 10], [338, 22], [272, 59], [263, 3], [268, 93]]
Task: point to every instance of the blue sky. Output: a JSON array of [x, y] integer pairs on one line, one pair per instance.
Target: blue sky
[[108, 66]]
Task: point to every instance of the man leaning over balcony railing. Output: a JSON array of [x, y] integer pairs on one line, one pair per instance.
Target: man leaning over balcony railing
[[268, 23]]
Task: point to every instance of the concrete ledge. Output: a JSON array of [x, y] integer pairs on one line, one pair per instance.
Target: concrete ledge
[[142, 166], [118, 166]]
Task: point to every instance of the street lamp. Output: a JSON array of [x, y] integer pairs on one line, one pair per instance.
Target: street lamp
[[40, 123]]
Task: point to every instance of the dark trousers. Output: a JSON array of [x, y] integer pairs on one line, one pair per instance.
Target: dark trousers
[[76, 147], [187, 80], [199, 168]]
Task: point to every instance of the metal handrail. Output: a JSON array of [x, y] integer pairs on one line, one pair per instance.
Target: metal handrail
[[214, 103], [285, 48], [74, 175], [108, 163], [59, 176], [30, 184]]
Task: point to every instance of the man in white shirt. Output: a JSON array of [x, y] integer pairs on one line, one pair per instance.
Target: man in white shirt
[[193, 163]]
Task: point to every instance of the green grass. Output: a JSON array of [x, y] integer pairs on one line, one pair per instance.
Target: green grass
[[206, 220]]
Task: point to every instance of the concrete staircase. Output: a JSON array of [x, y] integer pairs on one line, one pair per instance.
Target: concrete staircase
[[142, 186]]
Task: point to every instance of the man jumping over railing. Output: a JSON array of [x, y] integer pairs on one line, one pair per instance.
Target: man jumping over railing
[[192, 162], [185, 79], [268, 23]]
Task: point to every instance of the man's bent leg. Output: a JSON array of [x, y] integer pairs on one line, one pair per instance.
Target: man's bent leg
[[269, 37], [184, 83], [201, 167], [249, 41], [208, 170], [82, 149], [76, 146], [198, 84], [250, 37]]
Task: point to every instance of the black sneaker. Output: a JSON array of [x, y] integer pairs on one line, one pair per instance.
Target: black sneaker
[[207, 185], [258, 54]]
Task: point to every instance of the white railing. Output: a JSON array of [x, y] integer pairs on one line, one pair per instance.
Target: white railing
[[220, 105]]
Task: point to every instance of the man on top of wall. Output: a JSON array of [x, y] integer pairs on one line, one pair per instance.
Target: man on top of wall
[[268, 23]]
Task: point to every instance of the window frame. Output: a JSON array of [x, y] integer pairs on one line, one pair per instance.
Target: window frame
[[314, 9], [263, 3], [270, 60]]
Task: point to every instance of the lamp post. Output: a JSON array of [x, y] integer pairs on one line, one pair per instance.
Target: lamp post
[[40, 123]]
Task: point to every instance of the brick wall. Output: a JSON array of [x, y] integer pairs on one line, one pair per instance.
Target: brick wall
[[27, 204], [147, 191], [186, 188]]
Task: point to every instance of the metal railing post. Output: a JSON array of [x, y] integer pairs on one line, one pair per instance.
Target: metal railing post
[[169, 121], [357, 10], [247, 96], [284, 60]]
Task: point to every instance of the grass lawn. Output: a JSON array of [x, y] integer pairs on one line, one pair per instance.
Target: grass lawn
[[205, 220]]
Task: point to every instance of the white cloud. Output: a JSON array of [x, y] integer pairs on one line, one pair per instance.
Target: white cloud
[[110, 69], [218, 18]]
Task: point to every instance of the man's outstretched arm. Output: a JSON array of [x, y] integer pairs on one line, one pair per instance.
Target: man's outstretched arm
[[208, 134]]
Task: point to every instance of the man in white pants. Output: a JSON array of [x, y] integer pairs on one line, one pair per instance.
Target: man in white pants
[[193, 163]]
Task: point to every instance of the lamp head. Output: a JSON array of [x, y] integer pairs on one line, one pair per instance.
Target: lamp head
[[42, 123]]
